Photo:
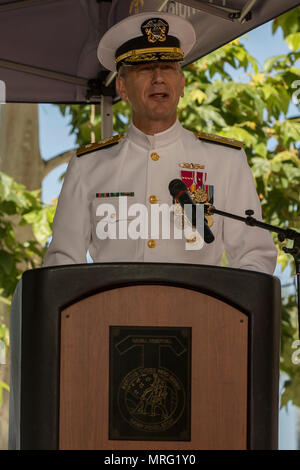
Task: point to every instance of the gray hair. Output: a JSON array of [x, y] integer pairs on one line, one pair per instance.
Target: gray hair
[[123, 70]]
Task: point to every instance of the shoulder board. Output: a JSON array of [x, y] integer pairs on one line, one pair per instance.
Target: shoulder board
[[108, 142], [218, 139]]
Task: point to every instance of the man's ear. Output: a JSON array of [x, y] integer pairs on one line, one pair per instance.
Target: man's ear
[[121, 88]]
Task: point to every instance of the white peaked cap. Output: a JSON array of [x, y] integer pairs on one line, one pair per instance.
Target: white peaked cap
[[130, 28]]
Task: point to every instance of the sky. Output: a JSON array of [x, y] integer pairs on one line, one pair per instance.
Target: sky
[[55, 138]]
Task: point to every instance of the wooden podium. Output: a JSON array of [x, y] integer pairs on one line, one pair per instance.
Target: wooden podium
[[144, 356]]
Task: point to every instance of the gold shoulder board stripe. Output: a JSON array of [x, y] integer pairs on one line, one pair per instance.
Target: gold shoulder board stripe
[[109, 141], [218, 139]]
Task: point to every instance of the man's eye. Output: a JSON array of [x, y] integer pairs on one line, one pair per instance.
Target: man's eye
[[168, 67]]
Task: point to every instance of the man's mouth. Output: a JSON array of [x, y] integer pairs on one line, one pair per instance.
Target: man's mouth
[[159, 96]]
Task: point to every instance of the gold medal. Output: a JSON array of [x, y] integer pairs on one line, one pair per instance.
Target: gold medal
[[199, 196]]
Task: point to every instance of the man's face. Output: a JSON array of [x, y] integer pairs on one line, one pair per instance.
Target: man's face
[[153, 90]]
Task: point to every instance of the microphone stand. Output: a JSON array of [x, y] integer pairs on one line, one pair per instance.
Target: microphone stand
[[283, 234]]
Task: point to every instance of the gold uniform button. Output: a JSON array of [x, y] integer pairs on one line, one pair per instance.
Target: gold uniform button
[[154, 156], [151, 243], [153, 199]]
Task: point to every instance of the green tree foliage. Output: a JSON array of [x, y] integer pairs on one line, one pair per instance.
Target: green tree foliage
[[19, 207]]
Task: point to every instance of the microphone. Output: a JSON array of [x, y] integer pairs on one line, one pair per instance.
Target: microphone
[[179, 191]]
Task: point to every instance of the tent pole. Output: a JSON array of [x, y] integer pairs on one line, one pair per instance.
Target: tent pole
[[106, 117]]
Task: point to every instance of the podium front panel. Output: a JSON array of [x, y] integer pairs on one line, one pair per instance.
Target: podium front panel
[[216, 400], [65, 324]]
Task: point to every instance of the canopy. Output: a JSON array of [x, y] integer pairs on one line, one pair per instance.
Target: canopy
[[48, 47]]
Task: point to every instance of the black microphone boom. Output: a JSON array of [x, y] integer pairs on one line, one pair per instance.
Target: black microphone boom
[[179, 191]]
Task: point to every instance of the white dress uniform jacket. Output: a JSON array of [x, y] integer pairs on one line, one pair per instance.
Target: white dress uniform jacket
[[129, 166]]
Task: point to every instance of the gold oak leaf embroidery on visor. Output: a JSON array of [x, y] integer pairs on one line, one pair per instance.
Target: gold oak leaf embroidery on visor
[[150, 54]]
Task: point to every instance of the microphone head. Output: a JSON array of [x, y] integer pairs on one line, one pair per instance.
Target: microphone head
[[176, 186]]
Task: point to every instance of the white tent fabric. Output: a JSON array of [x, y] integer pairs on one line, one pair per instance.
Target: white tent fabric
[[48, 47]]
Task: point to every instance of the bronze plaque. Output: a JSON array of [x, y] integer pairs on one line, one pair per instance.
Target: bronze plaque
[[150, 383]]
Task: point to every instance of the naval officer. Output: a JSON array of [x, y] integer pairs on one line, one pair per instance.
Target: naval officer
[[146, 51]]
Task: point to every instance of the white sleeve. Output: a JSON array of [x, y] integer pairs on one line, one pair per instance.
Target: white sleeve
[[246, 247], [71, 224]]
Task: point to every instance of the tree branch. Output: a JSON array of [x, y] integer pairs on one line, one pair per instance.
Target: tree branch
[[54, 162]]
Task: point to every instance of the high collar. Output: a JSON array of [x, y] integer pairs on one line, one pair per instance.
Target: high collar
[[155, 141]]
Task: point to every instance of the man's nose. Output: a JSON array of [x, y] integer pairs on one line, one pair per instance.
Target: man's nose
[[157, 75]]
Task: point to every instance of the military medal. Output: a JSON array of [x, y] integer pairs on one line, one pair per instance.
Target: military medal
[[200, 192], [199, 196]]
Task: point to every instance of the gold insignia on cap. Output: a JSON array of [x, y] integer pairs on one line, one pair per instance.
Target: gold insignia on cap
[[151, 54], [155, 30]]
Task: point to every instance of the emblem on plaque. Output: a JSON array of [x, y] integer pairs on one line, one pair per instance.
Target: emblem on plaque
[[149, 383], [151, 399]]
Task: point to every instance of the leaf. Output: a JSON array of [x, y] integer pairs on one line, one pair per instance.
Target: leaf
[[198, 95], [51, 213], [31, 217], [289, 132], [63, 109], [19, 198], [230, 90], [192, 97], [294, 71], [41, 227], [293, 41], [5, 186], [260, 166], [211, 114], [6, 262], [287, 156], [3, 386], [277, 98], [260, 149], [288, 22], [5, 300], [268, 91], [258, 77], [291, 392], [271, 61], [254, 63], [8, 207], [238, 133]]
